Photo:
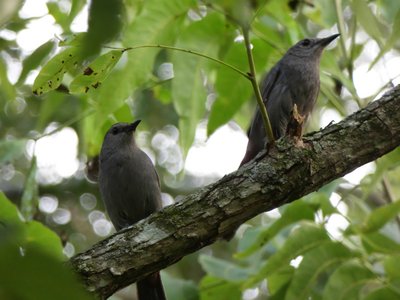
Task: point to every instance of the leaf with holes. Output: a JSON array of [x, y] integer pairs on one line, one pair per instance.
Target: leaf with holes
[[52, 74], [93, 76]]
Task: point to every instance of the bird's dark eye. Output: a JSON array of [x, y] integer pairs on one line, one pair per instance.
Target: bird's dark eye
[[306, 42], [114, 130]]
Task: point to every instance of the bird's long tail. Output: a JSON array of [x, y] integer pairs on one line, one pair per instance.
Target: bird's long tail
[[150, 288]]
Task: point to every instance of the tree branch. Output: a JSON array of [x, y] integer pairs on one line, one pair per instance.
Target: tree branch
[[283, 175]]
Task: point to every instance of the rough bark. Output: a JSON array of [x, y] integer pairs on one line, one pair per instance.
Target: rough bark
[[287, 172]]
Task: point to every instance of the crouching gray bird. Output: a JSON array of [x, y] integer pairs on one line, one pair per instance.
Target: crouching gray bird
[[130, 189], [292, 82]]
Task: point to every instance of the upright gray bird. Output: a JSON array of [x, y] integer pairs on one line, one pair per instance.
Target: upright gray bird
[[293, 80], [130, 189]]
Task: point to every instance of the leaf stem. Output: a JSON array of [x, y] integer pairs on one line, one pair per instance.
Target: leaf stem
[[253, 79], [194, 53]]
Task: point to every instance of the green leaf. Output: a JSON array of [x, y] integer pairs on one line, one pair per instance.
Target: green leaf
[[35, 59], [380, 216], [76, 7], [383, 164], [52, 74], [94, 133], [293, 212], [316, 262], [75, 39], [188, 91], [95, 74], [280, 280], [156, 24], [42, 238], [368, 20], [8, 9], [385, 293], [29, 198], [325, 11], [301, 240], [390, 42], [58, 107], [330, 65], [179, 289], [392, 266], [280, 294], [11, 150], [8, 212], [223, 269], [241, 12], [282, 14], [377, 242], [30, 236], [249, 240], [7, 90], [347, 281], [232, 89], [64, 19], [333, 98], [321, 201], [104, 25], [60, 17], [212, 288], [36, 275]]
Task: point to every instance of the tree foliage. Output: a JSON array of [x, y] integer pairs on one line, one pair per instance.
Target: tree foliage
[[181, 66]]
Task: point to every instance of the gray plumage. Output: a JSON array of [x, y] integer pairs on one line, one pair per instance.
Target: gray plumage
[[128, 180], [130, 189], [293, 80]]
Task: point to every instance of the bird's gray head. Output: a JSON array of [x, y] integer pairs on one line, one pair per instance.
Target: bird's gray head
[[310, 48], [118, 136]]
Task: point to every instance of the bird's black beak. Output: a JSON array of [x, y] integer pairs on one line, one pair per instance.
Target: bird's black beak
[[326, 41], [132, 127]]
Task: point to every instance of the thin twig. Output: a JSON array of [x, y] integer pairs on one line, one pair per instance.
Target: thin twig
[[194, 53], [253, 79]]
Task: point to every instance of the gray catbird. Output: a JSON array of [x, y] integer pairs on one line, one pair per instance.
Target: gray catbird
[[130, 189], [293, 80]]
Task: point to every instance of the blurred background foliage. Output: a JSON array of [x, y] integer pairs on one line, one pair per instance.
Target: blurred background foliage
[[341, 242]]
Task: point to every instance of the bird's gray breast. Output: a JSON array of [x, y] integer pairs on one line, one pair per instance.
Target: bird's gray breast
[[303, 80], [129, 186]]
